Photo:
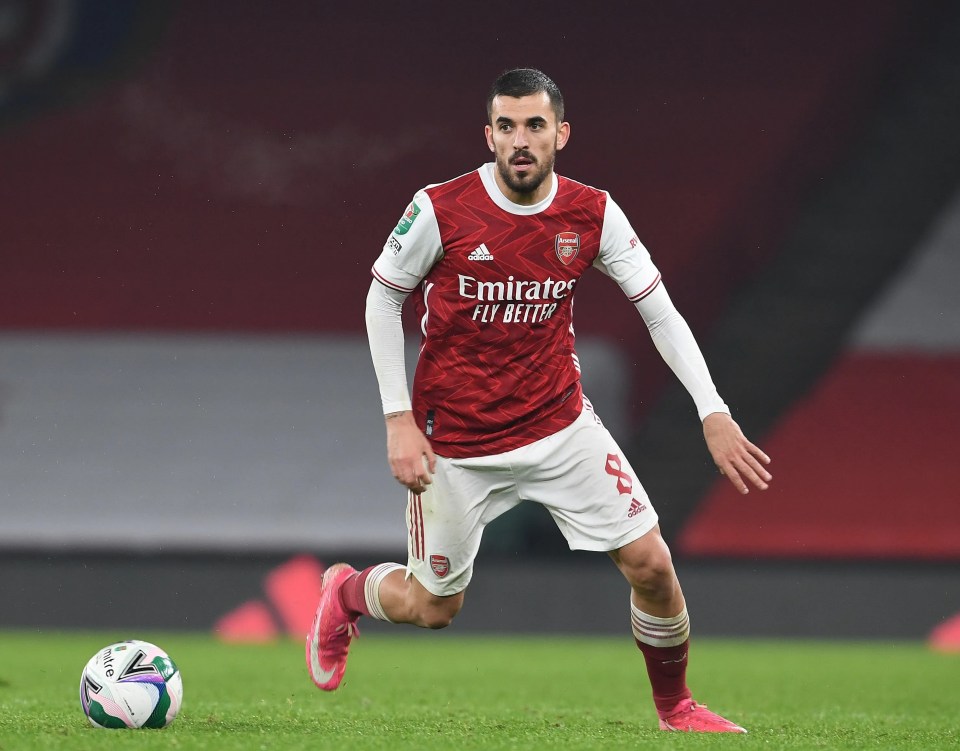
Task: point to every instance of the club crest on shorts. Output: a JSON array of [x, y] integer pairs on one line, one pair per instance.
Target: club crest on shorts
[[440, 565], [568, 245]]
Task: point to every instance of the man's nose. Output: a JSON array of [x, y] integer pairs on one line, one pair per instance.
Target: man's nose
[[520, 139]]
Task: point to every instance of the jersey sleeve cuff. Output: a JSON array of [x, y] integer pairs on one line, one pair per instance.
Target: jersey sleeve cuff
[[402, 405], [650, 287], [714, 406], [380, 277]]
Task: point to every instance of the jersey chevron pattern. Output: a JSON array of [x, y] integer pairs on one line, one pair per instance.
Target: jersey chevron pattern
[[497, 367]]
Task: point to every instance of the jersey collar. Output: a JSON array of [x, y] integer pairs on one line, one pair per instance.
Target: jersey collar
[[493, 190]]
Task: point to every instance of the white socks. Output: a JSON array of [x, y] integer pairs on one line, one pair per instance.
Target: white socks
[[371, 589], [659, 632]]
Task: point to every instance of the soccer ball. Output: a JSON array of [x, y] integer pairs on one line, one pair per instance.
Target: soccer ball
[[131, 684]]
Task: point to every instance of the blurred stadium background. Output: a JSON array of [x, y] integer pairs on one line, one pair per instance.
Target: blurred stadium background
[[192, 195]]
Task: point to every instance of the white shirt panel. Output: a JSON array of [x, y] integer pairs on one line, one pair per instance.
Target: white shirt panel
[[413, 247], [623, 257]]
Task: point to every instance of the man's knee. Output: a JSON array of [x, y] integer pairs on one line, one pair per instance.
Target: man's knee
[[439, 612], [428, 610], [647, 564]]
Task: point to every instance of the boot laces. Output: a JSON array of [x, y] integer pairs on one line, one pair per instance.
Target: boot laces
[[339, 640]]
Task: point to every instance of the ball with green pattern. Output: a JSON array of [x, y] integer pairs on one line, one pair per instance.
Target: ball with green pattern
[[131, 684]]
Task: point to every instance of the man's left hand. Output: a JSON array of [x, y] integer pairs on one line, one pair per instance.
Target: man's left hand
[[736, 458]]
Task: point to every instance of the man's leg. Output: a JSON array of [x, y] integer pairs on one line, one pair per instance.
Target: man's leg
[[658, 616], [383, 592], [444, 524], [661, 629]]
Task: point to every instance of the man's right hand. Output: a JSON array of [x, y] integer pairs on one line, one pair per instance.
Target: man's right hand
[[411, 458]]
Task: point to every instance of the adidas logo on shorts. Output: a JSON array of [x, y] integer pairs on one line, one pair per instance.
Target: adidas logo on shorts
[[480, 253], [635, 508]]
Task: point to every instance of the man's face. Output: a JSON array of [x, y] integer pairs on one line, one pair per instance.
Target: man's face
[[525, 136]]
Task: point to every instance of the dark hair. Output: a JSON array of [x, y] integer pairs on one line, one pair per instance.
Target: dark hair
[[524, 82]]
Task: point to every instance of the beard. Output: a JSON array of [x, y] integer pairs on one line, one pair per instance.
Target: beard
[[525, 182]]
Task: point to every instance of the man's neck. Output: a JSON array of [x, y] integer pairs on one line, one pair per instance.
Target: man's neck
[[525, 199]]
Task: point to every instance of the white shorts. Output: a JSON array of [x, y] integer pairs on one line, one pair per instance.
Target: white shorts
[[579, 474]]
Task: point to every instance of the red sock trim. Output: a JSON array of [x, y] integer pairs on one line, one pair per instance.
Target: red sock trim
[[667, 669], [352, 596]]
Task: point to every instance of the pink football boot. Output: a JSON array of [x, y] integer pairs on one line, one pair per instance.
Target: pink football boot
[[690, 717], [329, 639]]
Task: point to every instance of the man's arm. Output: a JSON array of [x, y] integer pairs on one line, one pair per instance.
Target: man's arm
[[411, 458], [625, 260], [736, 457]]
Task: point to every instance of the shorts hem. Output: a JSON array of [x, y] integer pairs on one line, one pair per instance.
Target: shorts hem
[[598, 546], [431, 586]]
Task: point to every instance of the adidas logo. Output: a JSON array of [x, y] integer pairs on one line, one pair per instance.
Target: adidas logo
[[635, 508], [480, 253], [292, 590]]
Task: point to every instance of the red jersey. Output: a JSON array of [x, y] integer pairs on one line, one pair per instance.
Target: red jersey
[[493, 285]]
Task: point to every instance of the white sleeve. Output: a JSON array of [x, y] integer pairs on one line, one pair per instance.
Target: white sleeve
[[412, 249], [623, 257], [675, 342], [385, 334], [409, 253]]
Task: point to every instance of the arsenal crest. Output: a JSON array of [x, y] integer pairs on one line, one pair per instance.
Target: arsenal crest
[[440, 565], [568, 245]]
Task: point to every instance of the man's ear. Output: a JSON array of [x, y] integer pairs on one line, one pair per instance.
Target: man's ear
[[563, 135]]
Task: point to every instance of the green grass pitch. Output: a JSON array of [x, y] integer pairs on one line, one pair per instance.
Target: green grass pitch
[[430, 691]]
